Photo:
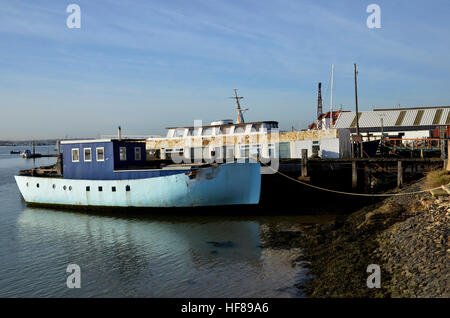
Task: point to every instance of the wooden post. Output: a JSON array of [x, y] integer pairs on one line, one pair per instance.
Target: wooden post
[[448, 155], [304, 162], [354, 175], [399, 174]]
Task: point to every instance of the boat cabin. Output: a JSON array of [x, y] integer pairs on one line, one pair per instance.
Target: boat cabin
[[108, 159]]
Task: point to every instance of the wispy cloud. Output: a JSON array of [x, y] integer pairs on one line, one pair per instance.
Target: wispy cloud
[[199, 50]]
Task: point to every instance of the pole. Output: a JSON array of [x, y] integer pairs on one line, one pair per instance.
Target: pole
[[240, 118], [331, 97], [359, 147], [354, 175], [304, 162], [399, 174]]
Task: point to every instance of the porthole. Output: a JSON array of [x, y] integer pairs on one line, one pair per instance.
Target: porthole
[[113, 189], [100, 188], [70, 188], [127, 188], [27, 184], [54, 186], [64, 187], [88, 188], [37, 185]]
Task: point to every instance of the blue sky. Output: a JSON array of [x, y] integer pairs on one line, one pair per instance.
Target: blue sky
[[147, 65]]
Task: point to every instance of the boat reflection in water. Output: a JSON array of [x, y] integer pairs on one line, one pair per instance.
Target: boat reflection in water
[[150, 256]]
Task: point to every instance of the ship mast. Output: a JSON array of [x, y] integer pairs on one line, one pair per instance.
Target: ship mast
[[319, 107], [331, 97], [240, 118]]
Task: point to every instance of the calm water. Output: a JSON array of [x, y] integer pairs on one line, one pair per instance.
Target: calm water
[[134, 256]]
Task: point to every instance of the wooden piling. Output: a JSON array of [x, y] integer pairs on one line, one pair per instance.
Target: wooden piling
[[354, 175], [304, 162], [399, 174], [447, 166]]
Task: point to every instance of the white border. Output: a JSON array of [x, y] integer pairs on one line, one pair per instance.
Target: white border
[[84, 154], [96, 153], [140, 153], [77, 149]]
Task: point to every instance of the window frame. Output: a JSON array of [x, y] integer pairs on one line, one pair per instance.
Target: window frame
[[244, 150], [120, 153], [96, 153], [139, 152], [78, 151], [84, 154]]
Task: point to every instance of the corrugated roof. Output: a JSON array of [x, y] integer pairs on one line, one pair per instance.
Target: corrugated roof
[[396, 118]]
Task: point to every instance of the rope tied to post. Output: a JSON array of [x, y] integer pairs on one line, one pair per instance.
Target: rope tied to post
[[353, 193]]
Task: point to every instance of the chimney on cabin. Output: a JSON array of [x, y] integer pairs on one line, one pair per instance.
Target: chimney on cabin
[[119, 133]]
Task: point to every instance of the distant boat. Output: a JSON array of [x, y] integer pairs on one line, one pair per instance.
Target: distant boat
[[15, 152], [28, 154]]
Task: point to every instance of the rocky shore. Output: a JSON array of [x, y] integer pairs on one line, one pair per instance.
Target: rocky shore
[[407, 236]]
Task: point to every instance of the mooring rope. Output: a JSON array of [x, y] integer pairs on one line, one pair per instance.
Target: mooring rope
[[352, 193]]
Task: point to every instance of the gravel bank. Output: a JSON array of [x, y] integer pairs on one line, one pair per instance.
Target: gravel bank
[[407, 236]]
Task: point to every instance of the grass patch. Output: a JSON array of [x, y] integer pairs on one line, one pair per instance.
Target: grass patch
[[436, 178]]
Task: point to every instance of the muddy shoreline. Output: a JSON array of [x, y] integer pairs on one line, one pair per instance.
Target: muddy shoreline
[[407, 236]]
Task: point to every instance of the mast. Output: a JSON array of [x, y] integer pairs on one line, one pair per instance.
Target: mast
[[359, 145], [331, 97], [319, 107], [240, 118]]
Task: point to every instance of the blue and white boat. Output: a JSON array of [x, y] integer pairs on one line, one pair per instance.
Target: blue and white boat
[[115, 173]]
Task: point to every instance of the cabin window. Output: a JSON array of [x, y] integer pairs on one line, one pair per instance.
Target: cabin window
[[137, 153], [100, 188], [127, 188], [179, 132], [245, 149], [170, 133], [113, 189], [207, 131], [239, 130], [255, 149], [229, 152], [88, 188], [123, 153], [228, 130], [174, 153], [100, 154], [272, 152], [194, 132], [256, 128], [75, 155], [87, 154]]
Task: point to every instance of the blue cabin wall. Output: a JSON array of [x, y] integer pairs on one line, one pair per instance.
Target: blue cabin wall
[[94, 170], [111, 168], [130, 162]]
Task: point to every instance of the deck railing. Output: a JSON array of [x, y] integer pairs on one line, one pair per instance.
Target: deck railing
[[413, 143]]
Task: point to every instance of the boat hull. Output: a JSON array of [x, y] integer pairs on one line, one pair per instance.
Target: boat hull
[[227, 184]]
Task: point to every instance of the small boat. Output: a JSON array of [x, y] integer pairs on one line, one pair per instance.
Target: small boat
[[15, 152], [115, 173]]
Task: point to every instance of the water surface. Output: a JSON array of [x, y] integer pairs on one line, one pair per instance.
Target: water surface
[[124, 255]]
